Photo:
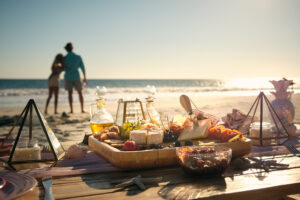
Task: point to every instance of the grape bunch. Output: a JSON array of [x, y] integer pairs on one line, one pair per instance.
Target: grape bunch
[[188, 143], [156, 146], [169, 136]]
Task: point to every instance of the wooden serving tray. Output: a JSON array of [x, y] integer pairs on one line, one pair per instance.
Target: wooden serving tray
[[134, 159], [153, 157]]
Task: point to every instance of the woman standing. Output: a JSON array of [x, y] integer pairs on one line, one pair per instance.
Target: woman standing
[[53, 81]]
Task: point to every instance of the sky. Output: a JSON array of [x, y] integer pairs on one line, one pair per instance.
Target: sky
[[154, 39]]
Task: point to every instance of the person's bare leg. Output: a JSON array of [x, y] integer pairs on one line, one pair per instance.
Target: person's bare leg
[[81, 100], [56, 89], [48, 99], [70, 93]]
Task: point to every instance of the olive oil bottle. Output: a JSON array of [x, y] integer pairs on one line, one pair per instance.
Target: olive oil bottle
[[100, 118]]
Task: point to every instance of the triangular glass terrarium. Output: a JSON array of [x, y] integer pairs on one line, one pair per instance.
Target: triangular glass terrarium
[[35, 144], [265, 127]]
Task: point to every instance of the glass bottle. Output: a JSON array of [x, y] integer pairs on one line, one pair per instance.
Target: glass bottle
[[100, 118], [152, 112]]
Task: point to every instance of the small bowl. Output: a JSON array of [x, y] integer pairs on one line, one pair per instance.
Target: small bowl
[[204, 160]]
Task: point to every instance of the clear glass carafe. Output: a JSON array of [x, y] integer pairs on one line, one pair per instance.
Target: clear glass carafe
[[100, 118], [154, 116]]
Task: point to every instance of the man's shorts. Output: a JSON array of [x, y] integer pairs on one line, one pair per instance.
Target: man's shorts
[[69, 85]]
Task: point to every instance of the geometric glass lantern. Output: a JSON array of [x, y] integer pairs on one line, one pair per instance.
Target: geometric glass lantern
[[35, 144], [129, 111], [266, 128]]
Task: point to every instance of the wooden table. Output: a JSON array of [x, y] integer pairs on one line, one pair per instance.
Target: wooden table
[[250, 184], [92, 178]]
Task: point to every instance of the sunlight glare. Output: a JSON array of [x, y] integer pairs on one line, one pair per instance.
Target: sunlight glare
[[249, 83]]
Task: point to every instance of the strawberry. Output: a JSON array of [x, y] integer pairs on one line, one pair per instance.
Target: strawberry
[[130, 146]]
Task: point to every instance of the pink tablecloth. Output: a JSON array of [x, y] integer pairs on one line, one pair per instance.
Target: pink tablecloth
[[91, 163]]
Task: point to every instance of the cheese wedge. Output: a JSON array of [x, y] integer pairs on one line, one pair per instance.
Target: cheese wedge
[[200, 131], [155, 137], [139, 136]]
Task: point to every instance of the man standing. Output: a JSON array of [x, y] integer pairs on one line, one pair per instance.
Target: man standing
[[72, 77]]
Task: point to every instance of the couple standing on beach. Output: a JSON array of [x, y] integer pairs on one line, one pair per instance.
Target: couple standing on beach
[[70, 64]]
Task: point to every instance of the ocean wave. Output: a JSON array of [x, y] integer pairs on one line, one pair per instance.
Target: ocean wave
[[18, 92], [11, 98], [113, 91], [22, 92]]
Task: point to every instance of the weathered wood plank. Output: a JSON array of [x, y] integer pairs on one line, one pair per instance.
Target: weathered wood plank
[[35, 194], [184, 187], [177, 185], [154, 193], [293, 197], [292, 161]]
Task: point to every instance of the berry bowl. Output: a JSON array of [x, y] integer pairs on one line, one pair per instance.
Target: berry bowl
[[204, 160]]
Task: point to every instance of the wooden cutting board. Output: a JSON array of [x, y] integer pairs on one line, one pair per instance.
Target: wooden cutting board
[[153, 157]]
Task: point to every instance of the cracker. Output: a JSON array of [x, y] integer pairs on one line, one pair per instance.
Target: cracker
[[118, 146], [113, 141]]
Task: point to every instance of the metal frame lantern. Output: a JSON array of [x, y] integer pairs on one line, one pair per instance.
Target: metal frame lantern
[[129, 111], [54, 151], [280, 133]]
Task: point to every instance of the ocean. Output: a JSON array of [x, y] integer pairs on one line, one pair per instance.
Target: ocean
[[16, 92]]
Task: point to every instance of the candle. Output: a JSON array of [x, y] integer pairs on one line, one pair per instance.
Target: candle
[[27, 152], [266, 133]]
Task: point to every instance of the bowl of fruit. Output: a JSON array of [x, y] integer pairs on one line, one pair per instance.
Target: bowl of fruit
[[207, 160]]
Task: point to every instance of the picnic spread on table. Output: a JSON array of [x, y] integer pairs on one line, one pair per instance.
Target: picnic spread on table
[[250, 155]]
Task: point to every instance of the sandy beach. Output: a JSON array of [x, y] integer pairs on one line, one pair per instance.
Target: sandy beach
[[71, 130]]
